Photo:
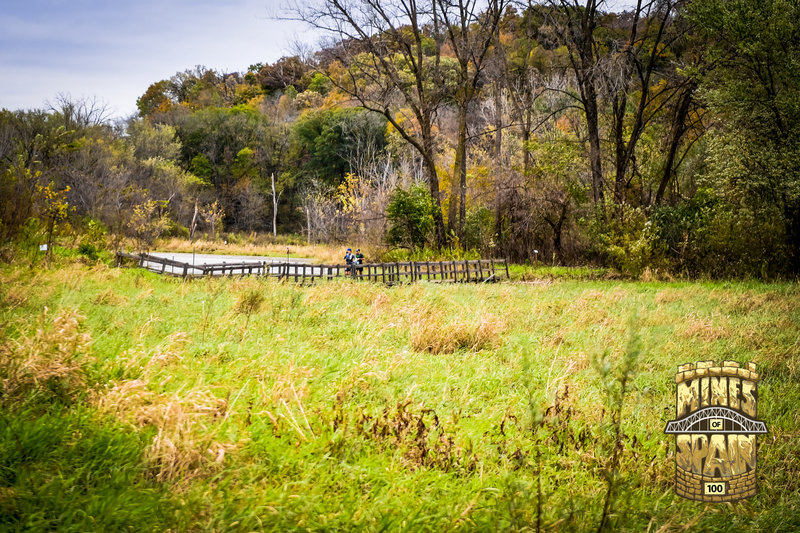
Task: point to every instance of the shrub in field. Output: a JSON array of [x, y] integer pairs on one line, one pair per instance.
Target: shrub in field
[[411, 218], [148, 223], [248, 304]]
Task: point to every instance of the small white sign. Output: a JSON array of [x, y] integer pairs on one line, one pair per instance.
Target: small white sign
[[42, 247]]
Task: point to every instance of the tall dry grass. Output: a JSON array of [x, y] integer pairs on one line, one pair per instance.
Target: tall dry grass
[[462, 332], [185, 445], [50, 361]]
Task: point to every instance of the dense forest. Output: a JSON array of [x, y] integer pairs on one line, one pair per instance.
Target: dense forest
[[662, 137]]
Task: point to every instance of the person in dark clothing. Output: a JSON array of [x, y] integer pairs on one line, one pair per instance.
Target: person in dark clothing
[[349, 259], [359, 260]]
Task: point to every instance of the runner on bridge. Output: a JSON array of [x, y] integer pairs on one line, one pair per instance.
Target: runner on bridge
[[349, 258], [359, 260]]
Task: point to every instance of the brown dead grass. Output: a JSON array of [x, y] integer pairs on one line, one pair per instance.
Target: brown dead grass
[[745, 303], [459, 333], [594, 306], [666, 296], [184, 446], [705, 328], [289, 384], [171, 351], [52, 359], [109, 297], [379, 303]]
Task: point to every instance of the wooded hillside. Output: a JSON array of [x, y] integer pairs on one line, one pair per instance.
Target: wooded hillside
[[666, 137]]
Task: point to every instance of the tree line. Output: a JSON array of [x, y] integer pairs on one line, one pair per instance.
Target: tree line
[[664, 136]]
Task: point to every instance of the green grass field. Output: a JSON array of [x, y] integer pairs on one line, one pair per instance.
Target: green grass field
[[137, 402]]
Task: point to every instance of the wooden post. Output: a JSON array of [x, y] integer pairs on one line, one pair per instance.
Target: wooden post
[[383, 272], [480, 271], [507, 274], [492, 260], [185, 270], [466, 270]]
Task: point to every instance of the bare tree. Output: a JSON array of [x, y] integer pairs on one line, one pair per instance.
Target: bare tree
[[470, 33], [213, 215], [624, 70], [392, 65], [81, 112], [275, 197], [575, 24], [631, 72]]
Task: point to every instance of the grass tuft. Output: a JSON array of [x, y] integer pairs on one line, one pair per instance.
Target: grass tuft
[[50, 361], [184, 446], [459, 333]]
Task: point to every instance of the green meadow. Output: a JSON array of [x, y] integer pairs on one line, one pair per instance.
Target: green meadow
[[137, 402]]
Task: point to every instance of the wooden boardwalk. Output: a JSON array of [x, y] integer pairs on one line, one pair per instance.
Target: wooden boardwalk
[[481, 270]]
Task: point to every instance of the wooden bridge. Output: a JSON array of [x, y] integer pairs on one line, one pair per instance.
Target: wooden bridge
[[481, 270]]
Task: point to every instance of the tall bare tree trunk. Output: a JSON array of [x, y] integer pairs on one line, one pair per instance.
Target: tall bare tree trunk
[[308, 225], [458, 188], [274, 207], [193, 225], [498, 121], [595, 156], [678, 131], [433, 183], [498, 160]]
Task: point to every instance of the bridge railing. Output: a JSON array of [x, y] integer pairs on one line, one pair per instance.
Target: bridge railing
[[481, 270]]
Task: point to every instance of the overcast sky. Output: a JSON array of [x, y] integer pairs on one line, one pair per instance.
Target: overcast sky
[[114, 50]]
